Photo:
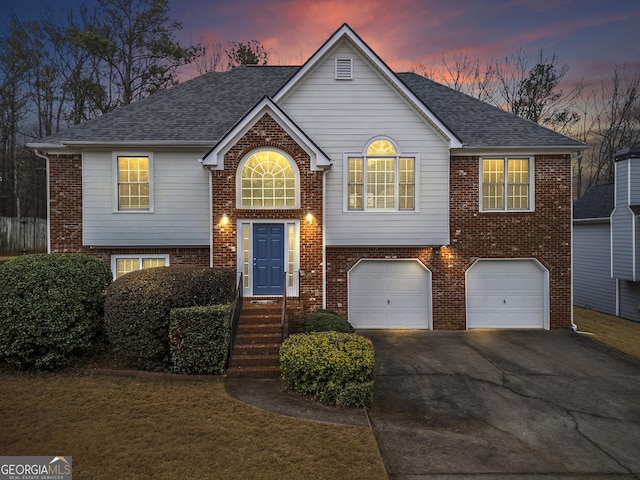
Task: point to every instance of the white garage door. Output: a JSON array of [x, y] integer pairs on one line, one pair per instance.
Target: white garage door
[[506, 294], [389, 294]]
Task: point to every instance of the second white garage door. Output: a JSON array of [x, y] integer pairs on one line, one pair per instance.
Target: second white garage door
[[389, 294], [507, 294]]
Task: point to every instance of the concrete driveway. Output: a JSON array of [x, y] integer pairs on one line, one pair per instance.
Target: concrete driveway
[[504, 405]]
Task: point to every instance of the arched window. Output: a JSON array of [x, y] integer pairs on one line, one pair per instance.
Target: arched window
[[381, 179], [268, 180]]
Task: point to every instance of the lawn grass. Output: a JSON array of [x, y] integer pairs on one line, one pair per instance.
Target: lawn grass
[[130, 428], [615, 332]]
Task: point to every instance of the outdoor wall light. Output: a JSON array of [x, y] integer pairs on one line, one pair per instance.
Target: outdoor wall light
[[309, 218], [224, 221]]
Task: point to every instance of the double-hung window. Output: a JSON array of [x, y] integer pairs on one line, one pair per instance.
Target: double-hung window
[[133, 190], [506, 184], [381, 179]]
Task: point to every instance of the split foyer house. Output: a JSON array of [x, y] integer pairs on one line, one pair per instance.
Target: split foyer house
[[386, 197]]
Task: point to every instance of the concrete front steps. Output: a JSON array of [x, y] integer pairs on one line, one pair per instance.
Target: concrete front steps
[[256, 349]]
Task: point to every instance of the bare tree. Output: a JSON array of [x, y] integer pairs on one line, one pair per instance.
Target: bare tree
[[611, 121], [210, 57], [460, 73], [535, 91], [14, 68]]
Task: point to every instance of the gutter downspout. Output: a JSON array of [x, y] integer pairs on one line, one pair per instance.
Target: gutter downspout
[[46, 159], [574, 327], [324, 239]]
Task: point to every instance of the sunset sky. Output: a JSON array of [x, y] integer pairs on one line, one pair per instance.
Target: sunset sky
[[590, 36]]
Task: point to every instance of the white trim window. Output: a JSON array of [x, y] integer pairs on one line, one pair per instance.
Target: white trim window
[[133, 185], [123, 264], [381, 179], [268, 179], [506, 184]]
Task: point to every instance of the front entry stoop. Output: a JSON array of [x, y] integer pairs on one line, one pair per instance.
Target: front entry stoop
[[256, 349]]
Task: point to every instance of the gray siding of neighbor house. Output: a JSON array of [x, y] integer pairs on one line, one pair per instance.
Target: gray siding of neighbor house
[[181, 214], [593, 286], [622, 225], [630, 300]]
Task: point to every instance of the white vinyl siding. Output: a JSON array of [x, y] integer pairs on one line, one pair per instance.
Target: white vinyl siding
[[181, 206], [342, 117]]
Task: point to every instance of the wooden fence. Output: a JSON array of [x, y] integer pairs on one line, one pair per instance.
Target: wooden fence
[[22, 235]]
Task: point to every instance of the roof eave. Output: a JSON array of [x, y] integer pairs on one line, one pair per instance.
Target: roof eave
[[529, 149], [82, 144]]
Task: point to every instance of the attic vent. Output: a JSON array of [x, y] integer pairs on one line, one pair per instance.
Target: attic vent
[[344, 69]]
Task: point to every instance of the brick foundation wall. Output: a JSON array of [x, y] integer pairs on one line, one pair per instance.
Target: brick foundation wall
[[267, 133], [544, 234]]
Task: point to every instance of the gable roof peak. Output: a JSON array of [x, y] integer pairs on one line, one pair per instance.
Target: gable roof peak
[[345, 31]]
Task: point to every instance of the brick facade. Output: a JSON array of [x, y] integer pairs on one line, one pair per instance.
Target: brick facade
[[268, 133], [544, 234]]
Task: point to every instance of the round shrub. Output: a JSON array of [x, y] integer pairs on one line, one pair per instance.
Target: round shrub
[[49, 308], [336, 368], [138, 306], [324, 321]]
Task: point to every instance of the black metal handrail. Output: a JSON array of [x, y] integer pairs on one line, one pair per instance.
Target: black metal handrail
[[235, 316]]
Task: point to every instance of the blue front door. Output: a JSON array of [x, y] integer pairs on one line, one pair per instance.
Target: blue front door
[[268, 258]]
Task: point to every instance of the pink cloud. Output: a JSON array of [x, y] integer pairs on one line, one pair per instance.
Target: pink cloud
[[411, 32]]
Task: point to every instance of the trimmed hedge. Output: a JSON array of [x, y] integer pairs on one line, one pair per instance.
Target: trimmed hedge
[[50, 305], [334, 367], [199, 339], [325, 321], [138, 305]]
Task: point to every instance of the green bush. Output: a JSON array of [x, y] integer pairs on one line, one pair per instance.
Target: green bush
[[324, 321], [334, 367], [50, 307], [199, 339], [138, 305]]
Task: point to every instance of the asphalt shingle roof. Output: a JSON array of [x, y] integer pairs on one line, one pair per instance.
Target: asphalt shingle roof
[[205, 108], [598, 202]]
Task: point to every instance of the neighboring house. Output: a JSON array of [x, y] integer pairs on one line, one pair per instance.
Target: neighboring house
[[386, 197], [606, 271]]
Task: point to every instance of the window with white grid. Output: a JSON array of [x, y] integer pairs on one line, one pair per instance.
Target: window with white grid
[[506, 184], [123, 264], [268, 180], [381, 179], [133, 183]]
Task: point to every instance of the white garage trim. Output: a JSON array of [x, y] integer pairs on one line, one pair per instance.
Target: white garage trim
[[389, 293], [507, 293]]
